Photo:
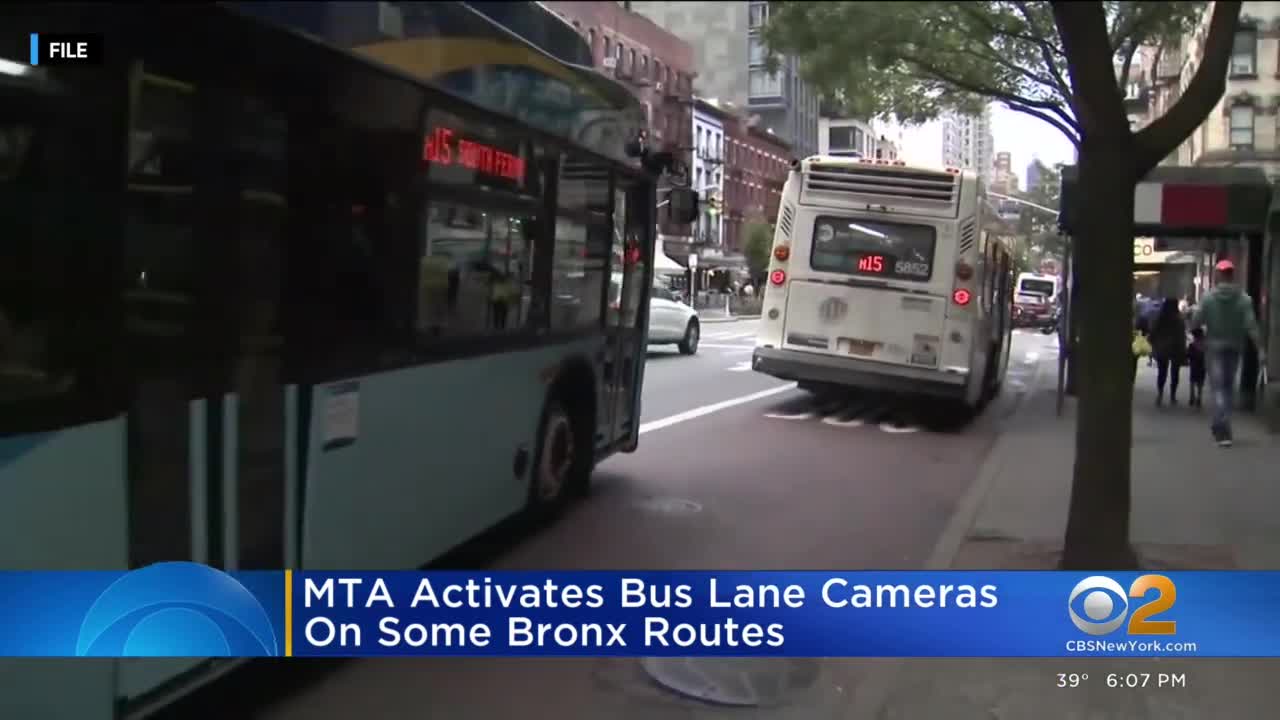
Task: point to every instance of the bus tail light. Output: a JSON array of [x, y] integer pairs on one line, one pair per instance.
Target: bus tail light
[[781, 253], [778, 277], [964, 270], [961, 296]]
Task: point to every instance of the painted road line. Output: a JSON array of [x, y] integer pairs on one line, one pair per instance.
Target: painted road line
[[714, 408], [849, 418], [727, 346]]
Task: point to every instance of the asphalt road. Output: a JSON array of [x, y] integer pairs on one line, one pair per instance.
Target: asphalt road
[[735, 470]]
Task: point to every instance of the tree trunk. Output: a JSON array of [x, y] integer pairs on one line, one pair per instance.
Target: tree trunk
[[1097, 535]]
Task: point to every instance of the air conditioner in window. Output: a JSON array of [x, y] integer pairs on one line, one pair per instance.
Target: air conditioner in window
[[609, 63], [657, 87]]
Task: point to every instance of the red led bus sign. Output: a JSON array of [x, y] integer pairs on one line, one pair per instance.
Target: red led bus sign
[[442, 146], [871, 263]]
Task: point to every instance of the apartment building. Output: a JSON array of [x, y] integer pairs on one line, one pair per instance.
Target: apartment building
[[854, 138], [729, 55], [707, 170], [657, 66]]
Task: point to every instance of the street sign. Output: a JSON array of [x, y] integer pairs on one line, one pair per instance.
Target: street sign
[[693, 261]]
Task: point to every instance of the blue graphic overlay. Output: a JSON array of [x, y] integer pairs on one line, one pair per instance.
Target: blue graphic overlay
[[795, 614], [35, 48], [165, 610], [184, 609]]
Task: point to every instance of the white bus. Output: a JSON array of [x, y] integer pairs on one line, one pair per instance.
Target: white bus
[[884, 277]]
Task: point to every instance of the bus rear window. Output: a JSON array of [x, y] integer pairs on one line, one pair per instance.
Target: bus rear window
[[865, 247], [1038, 287]]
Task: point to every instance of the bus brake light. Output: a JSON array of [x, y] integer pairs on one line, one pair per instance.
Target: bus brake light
[[964, 270], [781, 253], [777, 277], [961, 296]]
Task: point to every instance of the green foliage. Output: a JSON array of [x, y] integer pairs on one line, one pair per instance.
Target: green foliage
[[758, 246], [915, 60]]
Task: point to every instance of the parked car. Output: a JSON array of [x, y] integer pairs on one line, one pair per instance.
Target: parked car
[[670, 321]]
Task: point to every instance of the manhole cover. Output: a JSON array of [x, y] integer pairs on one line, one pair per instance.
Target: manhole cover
[[741, 682], [669, 506]]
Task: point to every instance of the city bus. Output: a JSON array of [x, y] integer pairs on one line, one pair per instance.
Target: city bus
[[267, 301], [887, 277]]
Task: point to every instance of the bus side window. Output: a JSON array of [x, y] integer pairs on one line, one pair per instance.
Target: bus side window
[[475, 270], [580, 273]]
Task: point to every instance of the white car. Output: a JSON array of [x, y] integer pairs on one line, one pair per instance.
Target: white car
[[673, 322], [670, 322]]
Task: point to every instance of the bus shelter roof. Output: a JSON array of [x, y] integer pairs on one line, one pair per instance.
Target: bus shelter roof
[[1185, 201]]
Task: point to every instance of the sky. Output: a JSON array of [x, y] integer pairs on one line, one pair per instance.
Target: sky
[[1025, 137]]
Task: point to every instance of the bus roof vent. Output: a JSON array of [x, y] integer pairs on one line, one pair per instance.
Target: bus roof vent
[[784, 222], [923, 187]]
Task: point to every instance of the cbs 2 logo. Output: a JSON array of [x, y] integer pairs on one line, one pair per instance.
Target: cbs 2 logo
[[1098, 605]]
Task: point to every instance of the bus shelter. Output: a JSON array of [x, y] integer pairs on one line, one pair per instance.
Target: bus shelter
[[1219, 211]]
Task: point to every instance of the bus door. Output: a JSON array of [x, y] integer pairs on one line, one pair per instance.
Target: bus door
[[202, 268], [171, 433], [628, 314], [258, 527]]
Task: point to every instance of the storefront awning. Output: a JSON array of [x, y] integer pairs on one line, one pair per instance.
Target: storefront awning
[[662, 264]]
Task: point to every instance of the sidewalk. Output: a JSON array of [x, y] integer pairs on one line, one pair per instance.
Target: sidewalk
[[1195, 506]]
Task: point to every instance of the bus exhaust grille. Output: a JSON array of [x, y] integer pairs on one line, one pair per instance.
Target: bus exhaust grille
[[932, 188], [966, 237], [784, 222]]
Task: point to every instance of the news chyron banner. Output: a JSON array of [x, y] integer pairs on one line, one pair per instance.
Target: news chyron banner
[[186, 609]]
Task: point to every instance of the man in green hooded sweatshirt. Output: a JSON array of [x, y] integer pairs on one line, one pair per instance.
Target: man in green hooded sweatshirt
[[1226, 314]]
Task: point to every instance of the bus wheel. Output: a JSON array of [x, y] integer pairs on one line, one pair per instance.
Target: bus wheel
[[689, 345], [558, 468]]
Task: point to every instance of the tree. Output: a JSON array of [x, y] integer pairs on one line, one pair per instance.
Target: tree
[[758, 246], [1059, 62]]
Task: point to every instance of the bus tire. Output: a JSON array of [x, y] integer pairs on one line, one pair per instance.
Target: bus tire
[[558, 470], [692, 332]]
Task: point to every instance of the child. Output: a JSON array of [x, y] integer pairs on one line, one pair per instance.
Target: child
[[1195, 361]]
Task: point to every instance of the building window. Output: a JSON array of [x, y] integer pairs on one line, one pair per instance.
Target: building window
[[591, 40], [755, 48], [1242, 127], [761, 83], [631, 61], [843, 138], [644, 66], [608, 46], [759, 15], [620, 52], [657, 70], [1244, 53]]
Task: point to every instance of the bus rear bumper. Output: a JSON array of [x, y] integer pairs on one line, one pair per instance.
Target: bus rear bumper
[[806, 367]]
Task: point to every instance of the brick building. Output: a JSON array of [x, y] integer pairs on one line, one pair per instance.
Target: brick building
[[655, 64], [756, 165]]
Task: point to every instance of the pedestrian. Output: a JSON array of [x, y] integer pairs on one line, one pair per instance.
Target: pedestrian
[[1226, 314], [1141, 346], [1195, 366], [1168, 340]]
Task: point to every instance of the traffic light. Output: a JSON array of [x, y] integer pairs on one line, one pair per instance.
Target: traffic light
[[713, 205]]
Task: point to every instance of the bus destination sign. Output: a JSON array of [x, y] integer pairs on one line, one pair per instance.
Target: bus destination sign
[[443, 146]]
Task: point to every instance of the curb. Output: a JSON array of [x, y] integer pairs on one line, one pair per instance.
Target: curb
[[872, 695], [734, 318]]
